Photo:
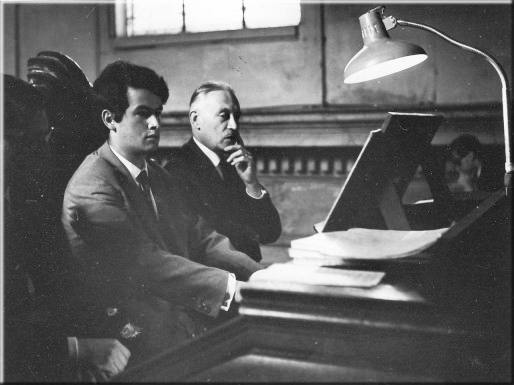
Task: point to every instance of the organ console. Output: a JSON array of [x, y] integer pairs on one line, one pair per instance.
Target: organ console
[[442, 316]]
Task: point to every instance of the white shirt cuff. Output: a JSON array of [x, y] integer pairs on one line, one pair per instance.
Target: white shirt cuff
[[231, 291], [263, 192], [73, 349]]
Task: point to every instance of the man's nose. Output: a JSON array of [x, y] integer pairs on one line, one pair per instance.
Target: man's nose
[[232, 123], [153, 122]]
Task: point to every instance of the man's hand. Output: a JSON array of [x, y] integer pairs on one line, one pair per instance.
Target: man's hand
[[244, 163], [104, 357]]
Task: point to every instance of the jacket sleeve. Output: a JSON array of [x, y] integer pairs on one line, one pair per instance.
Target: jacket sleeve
[[218, 251], [213, 248], [263, 217], [260, 222], [106, 235]]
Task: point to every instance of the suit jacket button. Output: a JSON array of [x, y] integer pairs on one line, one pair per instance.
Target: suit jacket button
[[130, 331], [111, 311]]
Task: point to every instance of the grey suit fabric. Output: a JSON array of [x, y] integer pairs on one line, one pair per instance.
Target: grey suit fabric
[[152, 283]]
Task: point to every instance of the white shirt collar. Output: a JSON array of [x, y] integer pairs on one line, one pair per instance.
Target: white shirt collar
[[131, 167], [213, 157]]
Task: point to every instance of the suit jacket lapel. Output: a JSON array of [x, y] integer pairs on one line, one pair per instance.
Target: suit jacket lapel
[[172, 218], [204, 168], [134, 194]]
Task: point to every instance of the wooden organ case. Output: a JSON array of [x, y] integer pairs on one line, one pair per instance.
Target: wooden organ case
[[443, 316]]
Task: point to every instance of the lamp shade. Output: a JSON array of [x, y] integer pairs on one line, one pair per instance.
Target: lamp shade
[[380, 55]]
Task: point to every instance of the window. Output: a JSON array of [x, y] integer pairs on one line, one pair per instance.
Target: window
[[156, 17]]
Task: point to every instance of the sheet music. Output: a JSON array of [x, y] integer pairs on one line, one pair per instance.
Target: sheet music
[[315, 275], [358, 243]]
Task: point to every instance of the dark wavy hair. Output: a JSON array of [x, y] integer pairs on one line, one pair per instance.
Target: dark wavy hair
[[113, 82]]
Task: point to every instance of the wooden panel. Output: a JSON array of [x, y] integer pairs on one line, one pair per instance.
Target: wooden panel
[[358, 342], [264, 368]]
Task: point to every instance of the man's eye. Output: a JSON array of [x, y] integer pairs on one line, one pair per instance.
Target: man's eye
[[224, 115], [144, 114]]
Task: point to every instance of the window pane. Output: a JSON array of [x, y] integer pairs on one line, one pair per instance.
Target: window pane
[[220, 15], [120, 13], [153, 17], [271, 13]]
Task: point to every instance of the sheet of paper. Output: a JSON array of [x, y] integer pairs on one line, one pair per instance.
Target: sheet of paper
[[311, 257], [315, 275], [361, 243]]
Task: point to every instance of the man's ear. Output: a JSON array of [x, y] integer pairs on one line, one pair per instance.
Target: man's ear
[[193, 120], [108, 119], [467, 161]]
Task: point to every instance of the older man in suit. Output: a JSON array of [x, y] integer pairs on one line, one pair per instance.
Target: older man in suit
[[219, 174], [154, 269]]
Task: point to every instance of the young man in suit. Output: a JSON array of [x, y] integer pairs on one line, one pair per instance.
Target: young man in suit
[[153, 268], [219, 174], [40, 342]]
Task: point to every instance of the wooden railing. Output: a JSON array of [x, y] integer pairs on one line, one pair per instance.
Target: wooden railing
[[317, 141], [339, 126]]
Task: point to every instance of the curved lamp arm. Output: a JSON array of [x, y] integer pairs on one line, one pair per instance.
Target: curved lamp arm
[[391, 22]]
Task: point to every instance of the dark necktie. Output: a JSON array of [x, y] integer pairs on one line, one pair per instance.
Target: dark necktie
[[220, 173], [224, 169], [144, 182]]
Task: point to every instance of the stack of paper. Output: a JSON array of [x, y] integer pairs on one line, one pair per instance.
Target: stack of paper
[[315, 275], [333, 248]]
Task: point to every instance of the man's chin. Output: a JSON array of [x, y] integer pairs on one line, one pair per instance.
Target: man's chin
[[220, 150], [150, 148], [225, 143]]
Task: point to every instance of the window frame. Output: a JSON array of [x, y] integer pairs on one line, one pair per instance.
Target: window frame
[[246, 34]]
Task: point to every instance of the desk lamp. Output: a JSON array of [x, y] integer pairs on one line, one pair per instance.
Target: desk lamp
[[382, 56]]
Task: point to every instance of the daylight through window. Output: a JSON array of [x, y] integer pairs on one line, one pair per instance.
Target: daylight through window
[[154, 17]]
